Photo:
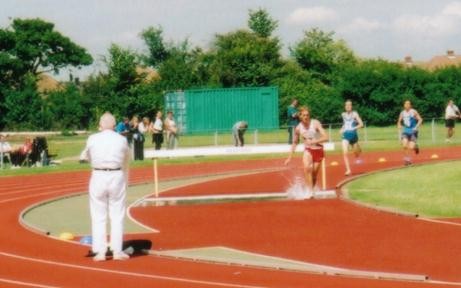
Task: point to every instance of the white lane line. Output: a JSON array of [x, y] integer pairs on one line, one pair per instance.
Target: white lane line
[[34, 195], [439, 221], [27, 284], [135, 221], [41, 188], [124, 273]]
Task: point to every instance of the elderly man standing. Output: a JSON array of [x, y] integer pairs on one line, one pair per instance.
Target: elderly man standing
[[108, 154]]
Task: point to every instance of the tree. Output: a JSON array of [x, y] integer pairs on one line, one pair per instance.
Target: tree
[[153, 39], [29, 47], [68, 106], [261, 23], [321, 55], [122, 90], [243, 58], [184, 68], [38, 48], [122, 65], [295, 82], [24, 109]]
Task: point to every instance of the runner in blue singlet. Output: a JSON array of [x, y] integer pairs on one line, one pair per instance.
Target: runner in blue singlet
[[408, 124], [351, 123]]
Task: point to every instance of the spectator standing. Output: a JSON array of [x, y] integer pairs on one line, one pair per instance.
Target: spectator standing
[[171, 131], [109, 155], [123, 128], [451, 114], [138, 138], [5, 149], [292, 119], [19, 155], [144, 125], [157, 131]]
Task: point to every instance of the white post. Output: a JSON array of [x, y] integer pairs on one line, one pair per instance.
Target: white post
[[329, 132], [365, 132], [155, 178], [433, 130], [256, 136], [216, 138], [324, 175], [1, 154]]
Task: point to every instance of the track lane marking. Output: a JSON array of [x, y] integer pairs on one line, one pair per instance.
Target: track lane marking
[[27, 284], [125, 273]]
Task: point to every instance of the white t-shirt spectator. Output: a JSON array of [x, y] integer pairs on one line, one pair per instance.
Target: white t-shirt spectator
[[158, 125], [451, 112], [170, 126], [142, 128], [5, 147], [107, 150]]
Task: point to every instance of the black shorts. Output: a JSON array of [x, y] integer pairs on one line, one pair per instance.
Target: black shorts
[[410, 136], [351, 137], [450, 123]]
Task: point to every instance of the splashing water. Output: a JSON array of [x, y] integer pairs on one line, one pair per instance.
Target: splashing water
[[298, 190]]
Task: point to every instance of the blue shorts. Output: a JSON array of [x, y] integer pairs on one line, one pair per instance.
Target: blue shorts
[[351, 137], [410, 136]]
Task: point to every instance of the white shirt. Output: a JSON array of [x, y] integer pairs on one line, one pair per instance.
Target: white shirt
[[309, 133], [171, 125], [5, 147], [349, 120], [451, 112], [142, 128], [107, 150], [158, 125]]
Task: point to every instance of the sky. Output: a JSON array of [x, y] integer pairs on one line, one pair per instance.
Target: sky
[[389, 29]]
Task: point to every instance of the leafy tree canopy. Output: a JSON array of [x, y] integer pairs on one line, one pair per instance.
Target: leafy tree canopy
[[320, 54], [37, 48], [261, 23]]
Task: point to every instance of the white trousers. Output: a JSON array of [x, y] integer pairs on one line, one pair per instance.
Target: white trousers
[[107, 197]]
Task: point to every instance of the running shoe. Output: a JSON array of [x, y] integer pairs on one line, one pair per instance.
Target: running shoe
[[121, 256]]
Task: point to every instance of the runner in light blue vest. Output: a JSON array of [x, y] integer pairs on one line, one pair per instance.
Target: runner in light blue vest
[[351, 123], [408, 124]]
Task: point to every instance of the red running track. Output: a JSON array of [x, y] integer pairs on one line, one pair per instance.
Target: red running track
[[330, 232]]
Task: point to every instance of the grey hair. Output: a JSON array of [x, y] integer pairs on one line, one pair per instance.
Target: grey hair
[[107, 121]]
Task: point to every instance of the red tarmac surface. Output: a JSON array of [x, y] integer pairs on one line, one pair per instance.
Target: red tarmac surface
[[328, 232]]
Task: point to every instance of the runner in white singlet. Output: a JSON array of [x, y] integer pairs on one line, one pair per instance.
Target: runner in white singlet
[[311, 132]]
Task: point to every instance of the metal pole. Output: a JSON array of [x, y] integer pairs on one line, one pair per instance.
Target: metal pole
[[365, 132], [155, 178], [324, 175], [433, 130], [1, 154]]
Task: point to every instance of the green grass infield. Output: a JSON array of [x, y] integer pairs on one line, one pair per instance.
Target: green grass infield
[[427, 190]]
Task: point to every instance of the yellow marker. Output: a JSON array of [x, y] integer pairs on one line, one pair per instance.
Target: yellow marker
[[382, 160], [434, 156], [66, 236], [334, 163]]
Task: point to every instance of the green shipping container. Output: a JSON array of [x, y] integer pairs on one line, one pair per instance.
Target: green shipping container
[[209, 110]]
